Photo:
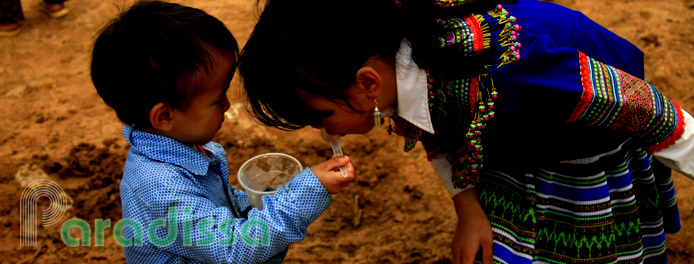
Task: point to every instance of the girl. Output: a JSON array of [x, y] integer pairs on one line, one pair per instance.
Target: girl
[[536, 119]]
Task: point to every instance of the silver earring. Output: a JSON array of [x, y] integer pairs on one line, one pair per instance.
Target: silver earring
[[378, 116]]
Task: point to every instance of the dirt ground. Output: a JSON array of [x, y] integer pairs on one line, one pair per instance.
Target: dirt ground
[[395, 212]]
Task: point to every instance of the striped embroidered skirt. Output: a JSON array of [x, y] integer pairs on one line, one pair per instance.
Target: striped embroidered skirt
[[612, 208]]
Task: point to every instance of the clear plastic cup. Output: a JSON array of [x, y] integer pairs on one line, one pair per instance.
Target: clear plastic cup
[[264, 173]]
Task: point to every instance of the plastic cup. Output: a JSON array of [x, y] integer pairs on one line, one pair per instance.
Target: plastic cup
[[264, 173]]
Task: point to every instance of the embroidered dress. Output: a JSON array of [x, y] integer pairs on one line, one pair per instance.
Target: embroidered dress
[[200, 215], [557, 135]]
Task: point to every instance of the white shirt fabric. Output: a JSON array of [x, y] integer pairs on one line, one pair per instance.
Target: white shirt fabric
[[412, 89], [680, 156], [413, 107]]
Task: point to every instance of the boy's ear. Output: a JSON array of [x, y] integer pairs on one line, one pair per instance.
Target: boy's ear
[[369, 81], [161, 116]]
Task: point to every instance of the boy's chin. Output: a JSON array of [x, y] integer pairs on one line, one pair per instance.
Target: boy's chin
[[197, 142]]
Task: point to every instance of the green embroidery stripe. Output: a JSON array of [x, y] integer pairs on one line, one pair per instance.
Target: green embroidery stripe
[[584, 183], [623, 251], [618, 93], [590, 243], [661, 109], [638, 243], [665, 182], [573, 240], [647, 182], [666, 119], [658, 221], [579, 225], [621, 169], [575, 218], [651, 202], [603, 82], [670, 203], [654, 251], [598, 79], [622, 228], [655, 105], [629, 211], [568, 259], [520, 213], [619, 206], [559, 179], [513, 233]]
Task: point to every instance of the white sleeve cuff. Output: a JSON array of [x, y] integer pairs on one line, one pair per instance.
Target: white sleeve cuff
[[442, 166], [680, 156]]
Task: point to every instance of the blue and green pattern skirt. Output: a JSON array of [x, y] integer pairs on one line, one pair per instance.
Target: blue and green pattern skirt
[[610, 208]]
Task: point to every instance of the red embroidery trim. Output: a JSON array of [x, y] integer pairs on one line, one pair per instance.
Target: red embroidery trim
[[477, 43], [587, 94], [677, 134], [474, 85]]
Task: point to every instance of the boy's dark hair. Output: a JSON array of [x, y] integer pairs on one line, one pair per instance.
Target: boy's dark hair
[[151, 52], [317, 46]]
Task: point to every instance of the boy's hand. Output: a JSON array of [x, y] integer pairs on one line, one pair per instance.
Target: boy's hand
[[474, 232], [328, 173]]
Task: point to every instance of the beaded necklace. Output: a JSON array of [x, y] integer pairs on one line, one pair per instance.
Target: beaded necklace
[[467, 172], [477, 95]]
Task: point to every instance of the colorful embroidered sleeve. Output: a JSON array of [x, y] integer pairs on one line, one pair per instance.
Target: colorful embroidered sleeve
[[618, 101]]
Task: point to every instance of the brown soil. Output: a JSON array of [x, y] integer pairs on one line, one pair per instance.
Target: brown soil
[[395, 212]]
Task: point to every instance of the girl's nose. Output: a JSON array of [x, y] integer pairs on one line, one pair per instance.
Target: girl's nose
[[227, 104]]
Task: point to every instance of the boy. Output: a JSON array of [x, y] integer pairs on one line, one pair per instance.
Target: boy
[[165, 69]]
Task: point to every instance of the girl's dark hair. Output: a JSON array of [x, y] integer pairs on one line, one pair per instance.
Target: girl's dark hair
[[150, 54], [317, 46]]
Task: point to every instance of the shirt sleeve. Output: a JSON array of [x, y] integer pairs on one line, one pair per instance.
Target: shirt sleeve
[[680, 155], [211, 234]]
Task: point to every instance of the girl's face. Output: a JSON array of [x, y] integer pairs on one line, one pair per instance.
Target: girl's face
[[376, 80], [343, 120]]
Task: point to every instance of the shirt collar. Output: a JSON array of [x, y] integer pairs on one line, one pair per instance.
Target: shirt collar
[[412, 89], [169, 150]]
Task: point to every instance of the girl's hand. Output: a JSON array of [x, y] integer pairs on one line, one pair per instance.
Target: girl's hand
[[328, 173], [473, 233]]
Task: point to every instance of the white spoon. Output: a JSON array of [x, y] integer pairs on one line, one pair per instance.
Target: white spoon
[[335, 144]]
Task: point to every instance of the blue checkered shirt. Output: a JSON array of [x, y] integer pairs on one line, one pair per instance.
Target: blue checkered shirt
[[178, 207]]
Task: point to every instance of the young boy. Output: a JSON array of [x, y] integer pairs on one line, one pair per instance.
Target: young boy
[[165, 69]]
